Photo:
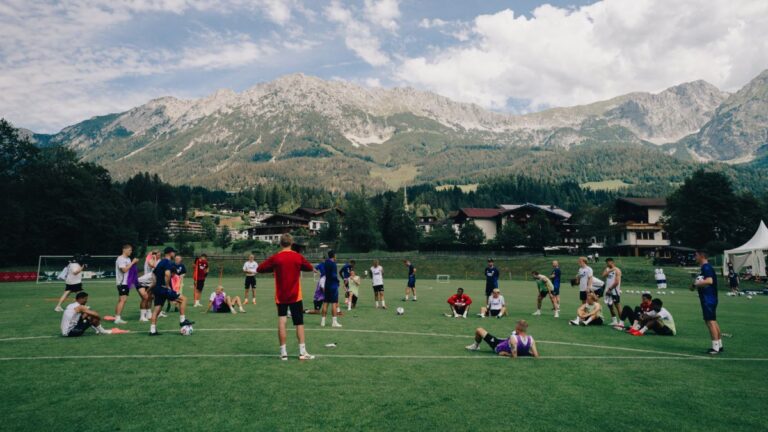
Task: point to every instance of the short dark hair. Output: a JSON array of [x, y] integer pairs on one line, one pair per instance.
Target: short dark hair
[[609, 259], [352, 262], [460, 289], [127, 245], [535, 273], [657, 302], [203, 256], [81, 294], [331, 253], [702, 253], [647, 296]]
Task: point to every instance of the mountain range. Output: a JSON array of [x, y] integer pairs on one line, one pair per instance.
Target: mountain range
[[340, 135]]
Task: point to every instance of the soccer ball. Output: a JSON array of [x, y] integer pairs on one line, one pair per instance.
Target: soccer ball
[[186, 330], [400, 311], [699, 278]]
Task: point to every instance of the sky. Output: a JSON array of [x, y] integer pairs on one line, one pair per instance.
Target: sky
[[62, 62]]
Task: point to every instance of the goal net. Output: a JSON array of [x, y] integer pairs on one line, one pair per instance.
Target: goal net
[[443, 278], [98, 268]]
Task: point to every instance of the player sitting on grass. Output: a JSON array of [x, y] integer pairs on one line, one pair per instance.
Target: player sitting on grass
[[590, 313], [496, 307], [317, 299], [634, 315], [459, 303], [220, 302], [659, 320], [546, 289], [77, 318], [518, 344]]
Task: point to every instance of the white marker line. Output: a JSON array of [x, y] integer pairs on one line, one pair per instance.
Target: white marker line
[[487, 356], [407, 334]]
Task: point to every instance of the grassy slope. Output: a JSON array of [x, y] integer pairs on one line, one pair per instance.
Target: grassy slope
[[673, 392]]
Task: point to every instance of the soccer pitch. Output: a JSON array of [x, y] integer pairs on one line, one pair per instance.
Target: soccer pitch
[[387, 372]]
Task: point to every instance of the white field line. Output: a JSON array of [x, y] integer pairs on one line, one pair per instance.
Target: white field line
[[657, 353], [486, 356]]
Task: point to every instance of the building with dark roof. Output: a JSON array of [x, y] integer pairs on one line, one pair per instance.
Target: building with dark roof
[[639, 226]]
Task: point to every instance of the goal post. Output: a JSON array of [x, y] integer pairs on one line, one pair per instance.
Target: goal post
[[99, 268], [443, 278]]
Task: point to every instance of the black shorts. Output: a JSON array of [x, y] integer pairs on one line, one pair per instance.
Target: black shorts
[[79, 328], [250, 282], [663, 331], [489, 290], [599, 292], [74, 288], [200, 284], [331, 295], [492, 341], [297, 311], [596, 322], [583, 295], [123, 290], [616, 298], [460, 309], [162, 294], [709, 310], [543, 294], [318, 304], [494, 312], [223, 308], [378, 288]]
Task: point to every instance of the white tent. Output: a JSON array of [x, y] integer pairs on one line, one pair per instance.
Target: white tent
[[750, 254]]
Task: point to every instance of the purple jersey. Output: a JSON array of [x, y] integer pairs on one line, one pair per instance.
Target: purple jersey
[[218, 300], [319, 293], [523, 347], [503, 346], [132, 279]]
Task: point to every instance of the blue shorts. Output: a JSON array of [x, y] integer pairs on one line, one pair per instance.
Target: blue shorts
[[331, 295], [709, 310], [556, 290], [162, 294], [411, 281]]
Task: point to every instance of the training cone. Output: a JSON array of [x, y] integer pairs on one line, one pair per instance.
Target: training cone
[[119, 331], [109, 318]]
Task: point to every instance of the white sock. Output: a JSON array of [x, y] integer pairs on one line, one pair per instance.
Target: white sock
[[538, 310], [117, 318], [714, 346], [589, 320], [719, 343], [152, 328], [406, 297], [377, 303], [283, 350], [182, 318], [322, 321], [302, 349], [335, 321], [475, 344], [613, 320], [643, 330], [349, 306], [383, 304]]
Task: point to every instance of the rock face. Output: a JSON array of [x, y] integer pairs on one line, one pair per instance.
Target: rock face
[[738, 131], [310, 127]]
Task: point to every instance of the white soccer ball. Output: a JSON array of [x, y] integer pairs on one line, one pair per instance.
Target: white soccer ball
[[671, 292], [186, 330], [699, 278], [749, 297], [400, 311]]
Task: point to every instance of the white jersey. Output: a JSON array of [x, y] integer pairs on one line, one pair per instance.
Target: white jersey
[[377, 276], [72, 278], [597, 283], [610, 280], [250, 267], [667, 319], [496, 303], [120, 262], [70, 318], [584, 275]]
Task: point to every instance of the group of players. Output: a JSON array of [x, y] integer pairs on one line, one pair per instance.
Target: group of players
[[163, 276]]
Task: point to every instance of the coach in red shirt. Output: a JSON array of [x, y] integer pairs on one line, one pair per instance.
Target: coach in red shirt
[[459, 303], [287, 266]]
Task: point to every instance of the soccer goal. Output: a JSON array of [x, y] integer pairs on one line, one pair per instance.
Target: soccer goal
[[98, 268], [443, 278]]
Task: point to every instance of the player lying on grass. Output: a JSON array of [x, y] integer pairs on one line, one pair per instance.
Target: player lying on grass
[[459, 304], [518, 344], [658, 319], [220, 302], [546, 289], [633, 316], [78, 318], [590, 313], [496, 306]]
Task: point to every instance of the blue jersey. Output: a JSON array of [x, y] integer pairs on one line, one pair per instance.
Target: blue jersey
[[411, 272], [180, 269], [331, 276], [708, 292], [159, 271], [321, 268], [556, 277], [345, 269], [491, 277]]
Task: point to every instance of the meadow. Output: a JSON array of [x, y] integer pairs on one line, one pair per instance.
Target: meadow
[[387, 372]]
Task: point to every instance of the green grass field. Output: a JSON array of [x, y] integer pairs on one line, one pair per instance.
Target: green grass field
[[388, 372]]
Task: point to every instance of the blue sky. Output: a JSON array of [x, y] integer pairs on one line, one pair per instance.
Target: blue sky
[[62, 62]]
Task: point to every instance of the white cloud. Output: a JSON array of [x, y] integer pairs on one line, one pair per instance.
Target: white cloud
[[562, 56], [383, 13], [427, 23], [358, 36]]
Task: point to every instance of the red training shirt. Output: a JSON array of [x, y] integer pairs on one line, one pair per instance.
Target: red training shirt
[[452, 300], [201, 269], [287, 266]]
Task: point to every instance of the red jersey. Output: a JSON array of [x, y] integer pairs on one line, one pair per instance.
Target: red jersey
[[452, 300], [287, 266], [201, 269]]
